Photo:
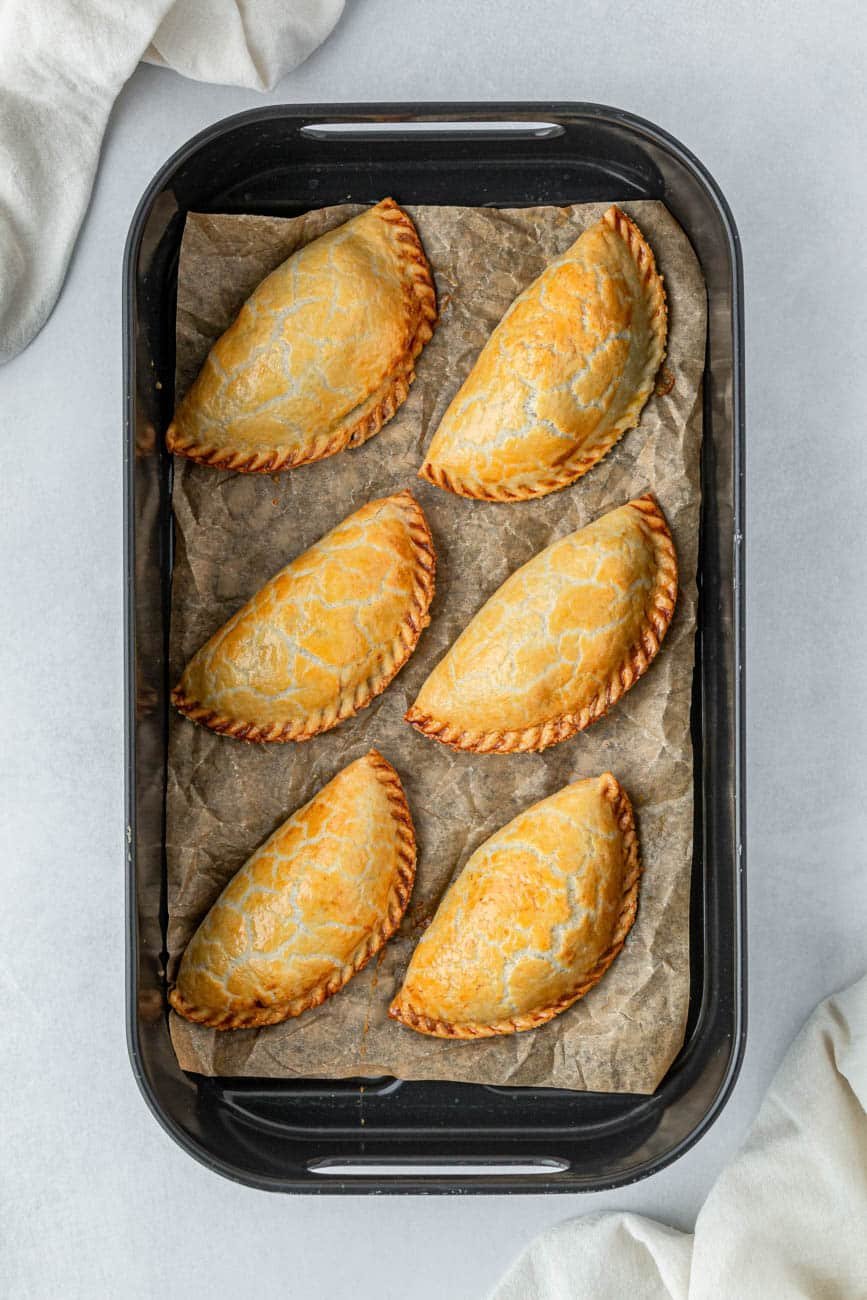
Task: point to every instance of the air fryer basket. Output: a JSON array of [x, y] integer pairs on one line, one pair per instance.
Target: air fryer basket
[[385, 1135]]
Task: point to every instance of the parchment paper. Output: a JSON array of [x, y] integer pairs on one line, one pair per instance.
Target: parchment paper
[[234, 531]]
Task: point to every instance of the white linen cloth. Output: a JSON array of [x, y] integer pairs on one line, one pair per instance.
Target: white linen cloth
[[787, 1219], [62, 65]]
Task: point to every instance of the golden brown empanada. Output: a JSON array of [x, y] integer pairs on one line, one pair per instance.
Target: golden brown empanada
[[566, 372], [560, 641], [324, 636], [321, 354], [309, 909], [532, 922]]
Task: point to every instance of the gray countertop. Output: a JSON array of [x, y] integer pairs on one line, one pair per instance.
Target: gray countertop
[[99, 1201]]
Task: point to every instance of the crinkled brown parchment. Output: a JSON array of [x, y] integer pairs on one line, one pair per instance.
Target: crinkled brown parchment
[[234, 531]]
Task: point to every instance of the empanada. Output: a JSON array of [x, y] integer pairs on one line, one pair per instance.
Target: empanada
[[308, 910], [321, 354], [324, 636], [560, 641], [566, 372], [532, 922]]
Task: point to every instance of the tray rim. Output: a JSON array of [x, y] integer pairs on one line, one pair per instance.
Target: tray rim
[[477, 112]]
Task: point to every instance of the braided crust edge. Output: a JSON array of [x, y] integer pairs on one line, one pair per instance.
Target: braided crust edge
[[408, 1015], [349, 702], [583, 458], [634, 665], [368, 418], [258, 1017]]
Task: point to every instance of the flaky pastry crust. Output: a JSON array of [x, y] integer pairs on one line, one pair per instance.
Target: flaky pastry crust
[[534, 920], [320, 356], [560, 641], [566, 372], [308, 910], [324, 636]]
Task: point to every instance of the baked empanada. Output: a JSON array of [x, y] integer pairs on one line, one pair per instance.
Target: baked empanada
[[560, 641], [324, 636], [532, 922], [308, 910], [566, 372], [321, 354]]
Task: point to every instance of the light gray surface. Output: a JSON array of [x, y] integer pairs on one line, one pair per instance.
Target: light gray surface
[[98, 1200]]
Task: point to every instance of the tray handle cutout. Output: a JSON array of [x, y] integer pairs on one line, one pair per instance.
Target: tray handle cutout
[[384, 1167], [433, 130]]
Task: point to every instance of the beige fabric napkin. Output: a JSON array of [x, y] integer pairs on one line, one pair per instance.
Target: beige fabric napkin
[[62, 65], [787, 1219]]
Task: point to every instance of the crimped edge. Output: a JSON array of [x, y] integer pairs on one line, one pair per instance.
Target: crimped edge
[[422, 1024], [349, 702], [377, 409], [575, 465], [259, 1017], [635, 664]]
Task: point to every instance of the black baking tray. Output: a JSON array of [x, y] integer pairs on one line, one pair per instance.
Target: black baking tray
[[385, 1135]]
